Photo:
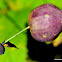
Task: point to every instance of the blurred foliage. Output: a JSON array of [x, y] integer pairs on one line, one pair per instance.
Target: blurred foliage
[[13, 18]]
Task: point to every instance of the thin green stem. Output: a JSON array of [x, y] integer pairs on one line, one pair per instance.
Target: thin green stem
[[17, 34]]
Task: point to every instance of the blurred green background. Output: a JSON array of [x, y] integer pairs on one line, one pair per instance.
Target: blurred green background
[[13, 18]]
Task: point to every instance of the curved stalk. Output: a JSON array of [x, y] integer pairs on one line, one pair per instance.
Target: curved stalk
[[17, 34]]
